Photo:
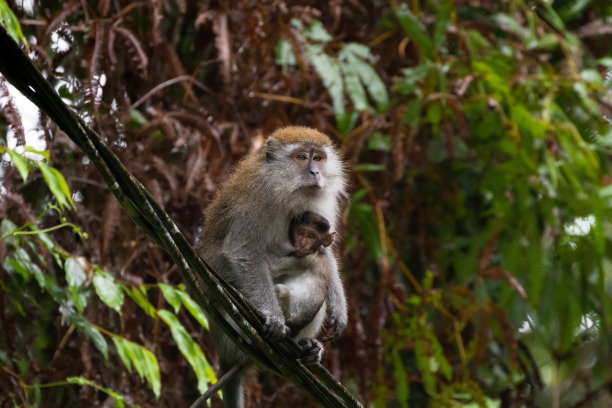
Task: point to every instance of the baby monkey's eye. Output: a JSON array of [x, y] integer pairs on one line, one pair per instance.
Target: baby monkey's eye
[[317, 157], [302, 156], [311, 236]]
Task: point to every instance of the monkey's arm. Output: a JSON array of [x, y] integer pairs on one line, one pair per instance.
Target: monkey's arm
[[336, 302], [251, 275], [281, 265]]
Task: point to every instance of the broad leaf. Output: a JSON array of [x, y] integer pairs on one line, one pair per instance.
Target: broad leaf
[[190, 349], [108, 290]]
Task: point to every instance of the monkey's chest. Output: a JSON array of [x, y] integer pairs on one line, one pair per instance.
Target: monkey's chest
[[305, 295]]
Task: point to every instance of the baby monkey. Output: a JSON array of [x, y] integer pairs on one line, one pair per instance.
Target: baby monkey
[[302, 277], [301, 280]]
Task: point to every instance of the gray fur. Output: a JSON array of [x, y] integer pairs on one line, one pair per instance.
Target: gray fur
[[247, 224]]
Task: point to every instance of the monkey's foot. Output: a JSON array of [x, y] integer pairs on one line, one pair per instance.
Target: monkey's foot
[[274, 328], [312, 350], [333, 328]]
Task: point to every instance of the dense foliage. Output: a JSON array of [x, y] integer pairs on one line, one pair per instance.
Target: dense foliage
[[476, 243]]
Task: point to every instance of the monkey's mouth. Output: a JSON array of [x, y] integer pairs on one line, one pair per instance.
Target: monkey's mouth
[[312, 189]]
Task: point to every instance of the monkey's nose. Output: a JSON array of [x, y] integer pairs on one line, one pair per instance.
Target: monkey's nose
[[313, 168]]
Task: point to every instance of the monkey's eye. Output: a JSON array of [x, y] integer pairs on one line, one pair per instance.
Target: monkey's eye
[[302, 156], [311, 236], [317, 157]]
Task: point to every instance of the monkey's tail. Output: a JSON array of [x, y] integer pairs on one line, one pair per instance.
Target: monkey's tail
[[231, 373]]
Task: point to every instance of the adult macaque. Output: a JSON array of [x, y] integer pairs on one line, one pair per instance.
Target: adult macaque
[[246, 225], [301, 280]]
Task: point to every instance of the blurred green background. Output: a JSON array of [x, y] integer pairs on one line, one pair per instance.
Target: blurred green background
[[476, 242]]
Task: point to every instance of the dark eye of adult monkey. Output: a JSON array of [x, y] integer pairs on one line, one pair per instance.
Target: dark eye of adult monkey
[[246, 226]]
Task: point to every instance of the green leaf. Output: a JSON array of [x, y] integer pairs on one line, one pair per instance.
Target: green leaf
[[141, 299], [401, 378], [379, 141], [510, 24], [442, 24], [57, 184], [75, 275], [9, 21], [17, 266], [137, 119], [119, 400], [422, 358], [408, 84], [84, 326], [368, 76], [363, 218], [108, 290], [171, 295], [315, 31], [80, 297], [415, 30], [369, 167], [354, 89], [7, 226], [284, 54], [44, 153], [142, 359], [438, 355], [22, 263], [572, 8], [152, 370], [330, 73], [194, 309], [551, 16], [20, 162], [190, 349], [122, 351]]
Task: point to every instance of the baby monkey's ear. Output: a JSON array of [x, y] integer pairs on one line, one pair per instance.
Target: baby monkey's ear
[[328, 239]]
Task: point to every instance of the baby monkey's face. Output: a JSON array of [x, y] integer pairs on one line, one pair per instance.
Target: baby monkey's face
[[307, 240]]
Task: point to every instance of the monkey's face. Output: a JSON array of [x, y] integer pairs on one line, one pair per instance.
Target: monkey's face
[[310, 162], [306, 240], [306, 166]]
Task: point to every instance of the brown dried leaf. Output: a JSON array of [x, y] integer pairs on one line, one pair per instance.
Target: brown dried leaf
[[195, 167], [205, 17], [99, 38], [141, 55], [103, 7], [9, 111], [222, 42], [61, 17], [110, 221], [166, 170]]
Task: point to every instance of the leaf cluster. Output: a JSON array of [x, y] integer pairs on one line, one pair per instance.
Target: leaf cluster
[[477, 236]]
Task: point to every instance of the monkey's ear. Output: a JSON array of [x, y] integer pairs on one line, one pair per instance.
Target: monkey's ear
[[328, 239]]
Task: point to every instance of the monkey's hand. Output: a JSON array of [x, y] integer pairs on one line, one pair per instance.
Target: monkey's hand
[[334, 326], [312, 350], [274, 328]]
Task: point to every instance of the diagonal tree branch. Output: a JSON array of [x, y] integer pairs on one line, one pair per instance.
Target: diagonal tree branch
[[222, 302]]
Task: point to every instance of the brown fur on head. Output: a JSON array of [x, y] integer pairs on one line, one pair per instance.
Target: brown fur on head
[[299, 134]]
